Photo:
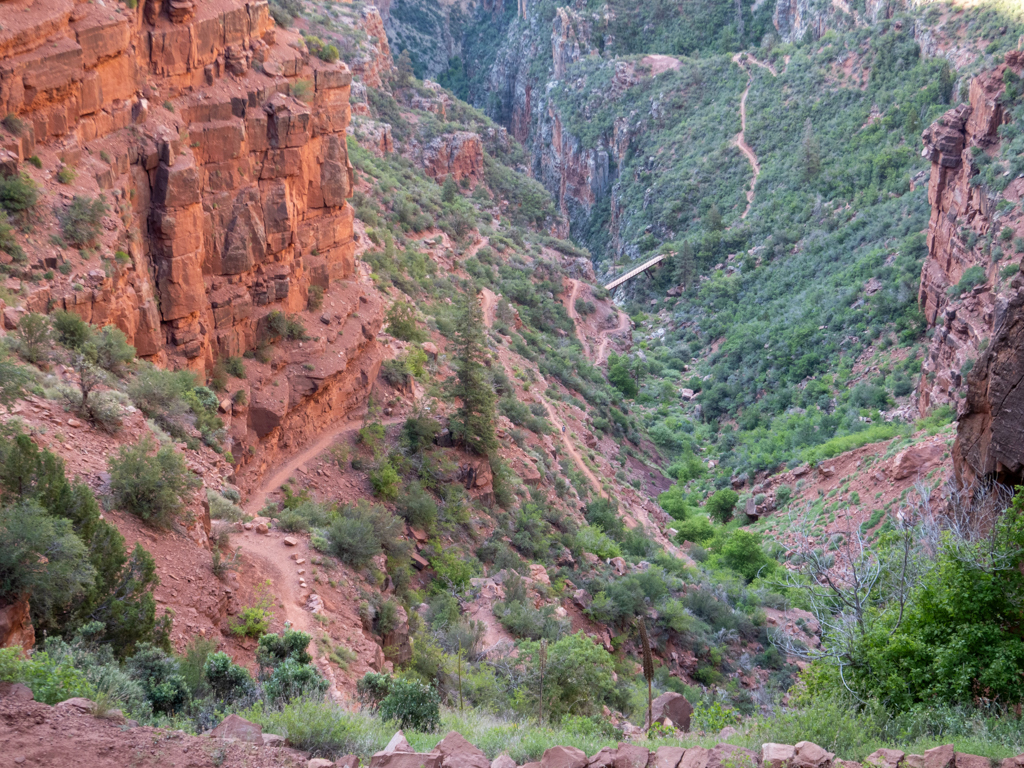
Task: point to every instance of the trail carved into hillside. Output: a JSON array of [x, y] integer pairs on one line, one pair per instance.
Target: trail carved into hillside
[[602, 348], [606, 337], [269, 549], [487, 302], [740, 139], [570, 307]]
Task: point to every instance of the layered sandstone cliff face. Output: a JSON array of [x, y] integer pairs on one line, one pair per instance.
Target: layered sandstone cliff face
[[962, 218], [793, 19], [975, 360], [229, 199]]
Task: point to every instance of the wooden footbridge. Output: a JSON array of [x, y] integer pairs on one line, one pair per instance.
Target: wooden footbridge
[[634, 272]]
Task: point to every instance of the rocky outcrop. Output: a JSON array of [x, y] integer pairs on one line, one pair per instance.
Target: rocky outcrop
[[459, 155], [570, 40], [794, 19], [963, 216], [374, 65], [16, 625], [990, 435], [974, 358], [227, 203]]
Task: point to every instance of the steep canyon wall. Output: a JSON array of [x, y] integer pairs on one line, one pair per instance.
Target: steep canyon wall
[[229, 199], [975, 359]]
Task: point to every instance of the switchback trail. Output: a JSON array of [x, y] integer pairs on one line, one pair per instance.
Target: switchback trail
[[570, 307], [269, 549], [487, 301], [602, 350], [740, 139]]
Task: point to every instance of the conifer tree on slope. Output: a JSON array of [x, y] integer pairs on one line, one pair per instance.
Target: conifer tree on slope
[[474, 420]]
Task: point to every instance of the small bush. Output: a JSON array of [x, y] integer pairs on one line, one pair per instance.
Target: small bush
[[384, 480], [302, 90], [418, 507], [316, 297], [71, 330], [228, 681], [66, 174], [254, 620], [395, 372], [401, 320], [80, 221], [32, 338], [14, 124], [721, 504], [972, 276], [51, 680], [160, 395], [1009, 271], [18, 195], [234, 367], [153, 487], [359, 533]]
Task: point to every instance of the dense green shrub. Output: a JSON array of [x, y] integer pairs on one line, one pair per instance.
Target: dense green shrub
[[228, 681], [361, 531], [32, 337], [417, 506], [71, 330], [401, 319], [697, 529], [411, 704], [721, 505], [18, 195], [151, 486], [80, 222]]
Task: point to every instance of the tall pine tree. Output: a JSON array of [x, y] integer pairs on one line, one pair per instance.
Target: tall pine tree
[[685, 265], [474, 420]]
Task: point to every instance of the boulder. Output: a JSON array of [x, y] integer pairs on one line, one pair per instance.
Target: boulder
[[348, 761], [603, 759], [238, 729], [77, 705], [777, 755], [273, 740], [939, 757], [406, 760], [666, 757], [731, 756], [619, 566], [917, 460], [431, 349], [885, 758], [319, 762], [695, 757], [503, 761], [539, 574], [16, 692], [810, 755], [631, 756], [960, 760], [563, 757], [456, 752], [16, 625], [672, 706]]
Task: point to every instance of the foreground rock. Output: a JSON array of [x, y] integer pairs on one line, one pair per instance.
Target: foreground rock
[[672, 709]]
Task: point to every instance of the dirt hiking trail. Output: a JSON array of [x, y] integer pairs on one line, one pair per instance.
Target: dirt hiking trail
[[740, 139]]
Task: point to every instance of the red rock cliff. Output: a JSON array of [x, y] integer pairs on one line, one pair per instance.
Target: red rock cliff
[[975, 359], [230, 199]]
